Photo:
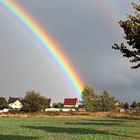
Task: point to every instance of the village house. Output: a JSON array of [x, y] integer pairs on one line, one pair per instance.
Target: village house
[[134, 110], [15, 103], [69, 105], [71, 102]]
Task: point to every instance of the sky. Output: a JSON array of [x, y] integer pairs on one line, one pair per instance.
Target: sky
[[85, 30]]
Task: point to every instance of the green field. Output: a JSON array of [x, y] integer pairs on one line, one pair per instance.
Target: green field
[[69, 129]]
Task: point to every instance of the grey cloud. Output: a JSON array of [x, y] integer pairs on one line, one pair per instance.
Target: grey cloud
[[85, 35]]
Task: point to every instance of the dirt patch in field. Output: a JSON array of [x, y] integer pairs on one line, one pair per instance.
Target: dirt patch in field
[[73, 115]]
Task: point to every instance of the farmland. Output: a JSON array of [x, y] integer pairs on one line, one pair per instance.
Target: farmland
[[16, 128]]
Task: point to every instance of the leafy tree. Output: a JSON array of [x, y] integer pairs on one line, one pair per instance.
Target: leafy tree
[[58, 105], [134, 104], [138, 104], [108, 102], [90, 99], [131, 28], [3, 103], [33, 102], [94, 102], [125, 106]]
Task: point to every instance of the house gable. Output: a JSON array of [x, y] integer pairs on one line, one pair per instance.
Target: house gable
[[16, 105]]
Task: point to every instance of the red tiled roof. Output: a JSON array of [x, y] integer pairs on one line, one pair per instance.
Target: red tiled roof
[[70, 101]]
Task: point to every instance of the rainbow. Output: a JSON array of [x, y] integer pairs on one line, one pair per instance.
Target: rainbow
[[45, 40], [108, 8]]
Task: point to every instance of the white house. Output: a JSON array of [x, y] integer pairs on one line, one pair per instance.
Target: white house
[[17, 105]]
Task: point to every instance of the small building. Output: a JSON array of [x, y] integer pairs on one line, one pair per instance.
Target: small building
[[4, 110], [82, 109], [68, 109], [135, 110], [71, 102], [122, 110], [52, 109], [15, 103]]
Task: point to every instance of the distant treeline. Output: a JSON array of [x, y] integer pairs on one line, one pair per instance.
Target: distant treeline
[[104, 102], [90, 101]]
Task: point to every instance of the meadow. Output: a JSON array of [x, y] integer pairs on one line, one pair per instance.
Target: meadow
[[13, 128]]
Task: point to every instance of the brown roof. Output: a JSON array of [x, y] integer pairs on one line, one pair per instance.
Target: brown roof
[[13, 99], [70, 101]]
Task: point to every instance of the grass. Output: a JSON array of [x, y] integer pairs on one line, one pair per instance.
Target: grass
[[69, 129]]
